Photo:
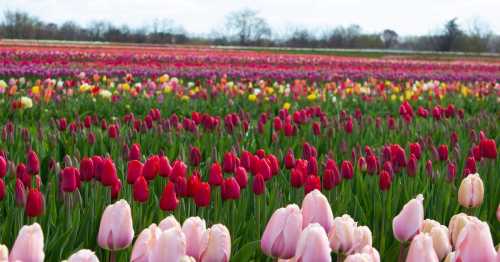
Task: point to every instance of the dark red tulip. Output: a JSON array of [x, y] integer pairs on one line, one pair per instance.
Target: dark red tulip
[[386, 153], [297, 178], [312, 166], [2, 189], [452, 171], [312, 182], [331, 164], [387, 166], [385, 180], [192, 184], [112, 131], [416, 150], [33, 163], [371, 164], [230, 189], [135, 152], [98, 167], [195, 156], [301, 165], [215, 175], [260, 153], [411, 167], [91, 138], [391, 124], [151, 167], [476, 152], [134, 171], [241, 176], [69, 179], [202, 195], [3, 167], [181, 186], [228, 162], [346, 169], [428, 168], [62, 124], [488, 148], [179, 169], [246, 160], [86, 169], [443, 152], [141, 190], [108, 176], [259, 185], [273, 164], [453, 139], [362, 165], [104, 124], [22, 173], [348, 125], [470, 165], [168, 200], [398, 156], [330, 179], [437, 113], [289, 129], [20, 193], [277, 124], [264, 169], [115, 189], [34, 203], [87, 121], [316, 127], [166, 169], [289, 159]]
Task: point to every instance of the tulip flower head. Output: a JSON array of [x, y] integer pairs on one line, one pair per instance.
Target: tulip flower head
[[421, 249], [28, 245], [83, 255], [282, 232], [316, 209], [194, 228], [216, 244], [475, 243], [313, 245], [409, 221], [471, 191], [116, 230]]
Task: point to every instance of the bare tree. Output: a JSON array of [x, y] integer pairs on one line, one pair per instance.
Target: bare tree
[[247, 26], [390, 38]]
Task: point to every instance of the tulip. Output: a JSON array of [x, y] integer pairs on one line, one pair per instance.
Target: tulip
[[488, 148], [228, 163], [470, 166], [83, 255], [215, 175], [443, 152], [358, 257], [498, 213], [4, 253], [241, 177], [115, 189], [151, 167], [264, 169], [134, 171], [428, 168], [348, 125], [179, 169], [202, 195], [171, 246], [471, 191], [421, 249], [108, 175], [312, 183], [195, 156], [313, 245], [273, 164], [371, 252], [144, 244], [168, 223], [181, 187], [371, 164], [398, 156], [34, 203], [475, 243], [168, 200], [28, 245], [216, 244], [116, 229], [289, 159], [282, 232], [33, 163], [20, 193], [141, 190], [411, 167], [98, 167], [316, 127], [22, 173], [441, 241], [113, 131], [135, 152], [452, 171], [3, 167], [428, 225], [342, 234], [409, 221], [194, 228], [316, 209], [331, 178], [416, 150], [69, 179], [296, 178], [259, 185], [347, 169], [385, 180], [246, 160], [456, 225], [192, 183], [86, 169]]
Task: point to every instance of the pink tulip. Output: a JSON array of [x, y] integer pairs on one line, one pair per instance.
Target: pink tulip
[[421, 249], [216, 244], [83, 255], [282, 232], [371, 252], [456, 225], [475, 243], [341, 236], [28, 245], [168, 223], [194, 228], [171, 246], [471, 191], [409, 221], [116, 230], [4, 253], [316, 209], [441, 241], [145, 243], [313, 245], [358, 257]]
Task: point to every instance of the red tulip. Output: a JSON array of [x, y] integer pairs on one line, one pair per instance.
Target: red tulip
[[87, 121], [2, 189], [179, 169], [259, 185], [202, 195], [195, 156], [34, 203], [316, 127], [115, 189], [134, 171], [264, 169], [109, 176], [330, 179], [246, 160], [181, 187], [488, 148], [452, 171], [215, 175], [277, 124], [347, 169], [411, 167], [98, 167], [20, 193], [69, 179], [348, 125], [398, 156], [193, 183], [166, 170], [62, 124], [3, 167], [289, 129], [362, 164], [476, 152], [388, 167], [428, 168], [297, 178], [86, 169], [230, 189], [385, 180], [391, 123], [371, 164], [470, 165], [135, 152], [453, 139], [312, 166], [141, 190], [151, 167], [113, 131], [312, 182], [91, 138], [273, 164], [416, 150], [22, 173], [228, 162], [443, 152], [33, 163], [241, 176], [289, 159], [168, 200]]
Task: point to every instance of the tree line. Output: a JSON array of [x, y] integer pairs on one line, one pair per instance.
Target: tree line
[[246, 28]]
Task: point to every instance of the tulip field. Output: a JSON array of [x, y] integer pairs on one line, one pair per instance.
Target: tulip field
[[130, 153]]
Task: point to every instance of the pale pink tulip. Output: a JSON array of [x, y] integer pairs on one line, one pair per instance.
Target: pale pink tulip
[[498, 213], [456, 225], [187, 259], [358, 257], [451, 257], [83, 255], [116, 230], [282, 232], [409, 221], [313, 245], [316, 209], [171, 246], [428, 224], [168, 223], [216, 244], [372, 252], [471, 191], [441, 241], [145, 243], [4, 253], [421, 249], [475, 243], [362, 238], [28, 246], [194, 228], [342, 235]]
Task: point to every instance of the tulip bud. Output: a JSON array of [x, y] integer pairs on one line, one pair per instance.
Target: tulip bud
[[475, 243], [471, 191], [168, 200], [28, 245], [3, 167], [215, 175], [202, 195], [409, 221], [33, 163], [216, 244], [342, 234], [347, 169], [194, 228], [69, 179], [428, 169], [115, 189], [331, 178], [313, 245], [316, 209], [86, 169], [113, 131], [470, 166], [416, 150], [91, 138], [135, 152], [108, 175], [488, 148], [141, 190], [452, 171], [84, 255], [34, 203], [264, 169], [443, 152], [421, 249], [195, 156], [151, 167], [456, 225], [228, 163], [145, 243], [4, 253], [289, 159], [179, 169], [259, 185], [116, 230], [312, 183], [230, 189], [385, 180], [441, 241], [170, 246], [20, 193], [134, 171], [241, 177], [282, 232]]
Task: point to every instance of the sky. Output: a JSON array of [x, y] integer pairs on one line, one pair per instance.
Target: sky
[[407, 17]]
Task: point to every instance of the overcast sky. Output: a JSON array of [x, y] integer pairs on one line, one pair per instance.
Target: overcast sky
[[407, 17]]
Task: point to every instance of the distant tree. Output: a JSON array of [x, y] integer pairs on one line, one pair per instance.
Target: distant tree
[[451, 36], [247, 26], [390, 38]]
